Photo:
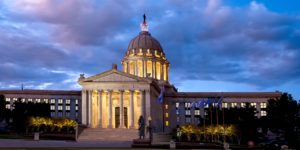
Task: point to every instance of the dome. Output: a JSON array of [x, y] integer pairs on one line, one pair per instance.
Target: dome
[[144, 41]]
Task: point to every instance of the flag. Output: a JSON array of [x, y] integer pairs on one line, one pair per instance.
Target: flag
[[209, 102], [220, 101], [202, 103], [161, 95], [193, 104]]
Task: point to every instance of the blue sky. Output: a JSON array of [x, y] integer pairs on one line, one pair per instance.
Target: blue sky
[[212, 45]]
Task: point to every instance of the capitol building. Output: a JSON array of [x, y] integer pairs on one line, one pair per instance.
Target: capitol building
[[117, 97]]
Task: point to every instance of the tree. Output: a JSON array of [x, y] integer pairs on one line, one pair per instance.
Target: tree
[[23, 111], [2, 107], [282, 116]]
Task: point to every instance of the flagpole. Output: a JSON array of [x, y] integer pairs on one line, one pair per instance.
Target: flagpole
[[163, 117], [223, 126]]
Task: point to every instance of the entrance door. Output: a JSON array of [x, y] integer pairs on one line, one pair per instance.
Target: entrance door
[[117, 117]]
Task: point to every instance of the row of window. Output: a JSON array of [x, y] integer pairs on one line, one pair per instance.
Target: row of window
[[60, 114], [45, 100], [188, 118], [188, 105], [60, 107]]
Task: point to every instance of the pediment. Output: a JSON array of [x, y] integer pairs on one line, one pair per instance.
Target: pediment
[[113, 76]]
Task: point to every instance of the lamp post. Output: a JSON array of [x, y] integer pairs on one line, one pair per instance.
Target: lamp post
[[150, 127]]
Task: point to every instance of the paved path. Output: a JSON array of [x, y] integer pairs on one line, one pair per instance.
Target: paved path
[[20, 143]]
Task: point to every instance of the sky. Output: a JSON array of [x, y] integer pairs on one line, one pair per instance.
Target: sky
[[212, 45]]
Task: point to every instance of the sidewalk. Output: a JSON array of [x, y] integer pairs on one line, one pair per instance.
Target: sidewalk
[[20, 143]]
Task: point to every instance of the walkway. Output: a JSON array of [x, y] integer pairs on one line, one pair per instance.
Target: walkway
[[20, 143]]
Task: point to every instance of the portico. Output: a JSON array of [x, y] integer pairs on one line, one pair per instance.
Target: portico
[[113, 99]]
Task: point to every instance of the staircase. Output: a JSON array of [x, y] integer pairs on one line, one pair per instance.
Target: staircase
[[161, 139], [101, 134]]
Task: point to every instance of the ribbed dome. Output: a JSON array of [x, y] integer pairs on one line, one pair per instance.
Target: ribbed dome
[[144, 41]]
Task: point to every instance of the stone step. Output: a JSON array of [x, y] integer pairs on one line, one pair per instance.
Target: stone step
[[161, 138], [101, 134]]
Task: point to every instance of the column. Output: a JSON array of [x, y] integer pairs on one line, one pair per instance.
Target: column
[[154, 70], [90, 108], [136, 68], [100, 108], [161, 71], [143, 64], [128, 67], [109, 109], [147, 105], [82, 107], [131, 110], [146, 72], [142, 103], [121, 110], [87, 107]]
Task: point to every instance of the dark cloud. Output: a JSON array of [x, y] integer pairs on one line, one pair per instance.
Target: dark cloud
[[203, 40]]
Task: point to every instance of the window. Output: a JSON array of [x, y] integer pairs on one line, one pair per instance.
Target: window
[[29, 100], [187, 105], [7, 106], [52, 114], [177, 112], [23, 100], [253, 104], [197, 112], [225, 105], [187, 112], [76, 108], [263, 105], [60, 107], [76, 114], [263, 113], [52, 107], [7, 99], [167, 123], [167, 115], [60, 114], [243, 105], [60, 101], [177, 119], [67, 114], [187, 119], [52, 101], [76, 101], [177, 105], [37, 100], [166, 106], [67, 107], [233, 104], [15, 99], [68, 101], [46, 101]]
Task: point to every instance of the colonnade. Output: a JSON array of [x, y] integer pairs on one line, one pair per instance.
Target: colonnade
[[97, 107]]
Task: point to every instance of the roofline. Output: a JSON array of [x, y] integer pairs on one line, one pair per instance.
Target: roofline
[[225, 94], [42, 92]]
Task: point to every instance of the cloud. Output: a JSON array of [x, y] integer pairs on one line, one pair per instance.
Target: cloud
[[203, 40]]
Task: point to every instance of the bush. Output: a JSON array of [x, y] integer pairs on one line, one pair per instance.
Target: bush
[[54, 125]]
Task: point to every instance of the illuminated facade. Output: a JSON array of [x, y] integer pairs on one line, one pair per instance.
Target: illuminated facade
[[116, 99]]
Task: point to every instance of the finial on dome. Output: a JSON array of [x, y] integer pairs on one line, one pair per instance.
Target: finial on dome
[[144, 18], [144, 25]]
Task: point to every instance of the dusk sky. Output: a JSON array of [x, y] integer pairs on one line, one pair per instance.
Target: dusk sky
[[212, 45]]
